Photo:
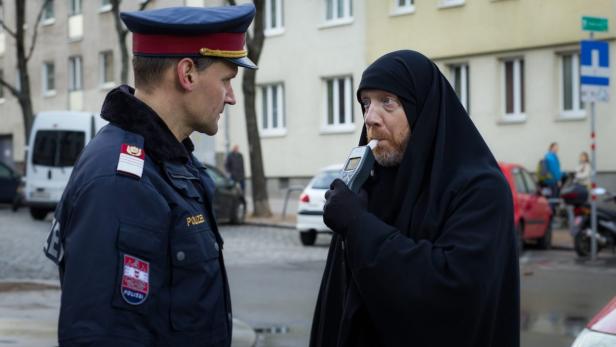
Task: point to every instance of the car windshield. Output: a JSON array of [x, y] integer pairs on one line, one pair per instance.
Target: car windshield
[[324, 179]]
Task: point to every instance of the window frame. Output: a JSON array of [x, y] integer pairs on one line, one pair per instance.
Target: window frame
[[103, 82], [266, 110], [75, 73], [278, 29], [464, 68], [578, 110], [47, 91], [336, 126], [451, 3], [75, 7], [49, 14], [399, 10], [519, 90], [337, 19]]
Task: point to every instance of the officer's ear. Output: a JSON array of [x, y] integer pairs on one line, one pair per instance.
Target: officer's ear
[[186, 71]]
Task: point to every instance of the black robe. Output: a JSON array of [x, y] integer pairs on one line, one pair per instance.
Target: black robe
[[433, 261]]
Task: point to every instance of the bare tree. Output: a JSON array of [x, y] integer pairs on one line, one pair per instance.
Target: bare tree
[[21, 91], [122, 32], [254, 44]]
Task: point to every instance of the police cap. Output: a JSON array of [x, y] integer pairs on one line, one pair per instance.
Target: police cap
[[192, 32]]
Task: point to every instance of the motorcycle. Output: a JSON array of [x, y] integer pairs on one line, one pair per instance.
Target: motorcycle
[[576, 195]]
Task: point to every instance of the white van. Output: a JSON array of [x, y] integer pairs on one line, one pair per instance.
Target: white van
[[56, 140]]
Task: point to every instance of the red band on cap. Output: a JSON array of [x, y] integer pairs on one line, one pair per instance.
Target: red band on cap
[[174, 45]]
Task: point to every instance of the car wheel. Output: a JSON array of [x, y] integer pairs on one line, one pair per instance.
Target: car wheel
[[238, 215], [308, 237], [38, 213], [546, 241]]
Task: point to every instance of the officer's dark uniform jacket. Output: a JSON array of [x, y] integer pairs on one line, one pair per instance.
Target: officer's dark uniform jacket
[[140, 257]]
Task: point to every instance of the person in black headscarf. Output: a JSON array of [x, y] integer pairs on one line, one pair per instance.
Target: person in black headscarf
[[430, 259]]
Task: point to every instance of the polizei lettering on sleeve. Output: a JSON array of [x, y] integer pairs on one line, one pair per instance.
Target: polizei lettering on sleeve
[[194, 220]]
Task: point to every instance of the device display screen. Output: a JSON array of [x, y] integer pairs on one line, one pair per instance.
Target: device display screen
[[352, 164]]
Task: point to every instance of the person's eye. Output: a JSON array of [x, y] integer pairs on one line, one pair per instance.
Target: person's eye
[[390, 103], [365, 103]]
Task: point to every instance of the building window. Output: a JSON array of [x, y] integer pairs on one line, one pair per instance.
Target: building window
[[339, 103], [274, 22], [74, 74], [338, 10], [106, 63], [272, 109], [49, 16], [403, 6], [49, 79], [460, 83], [105, 6], [571, 104], [74, 7], [513, 79]]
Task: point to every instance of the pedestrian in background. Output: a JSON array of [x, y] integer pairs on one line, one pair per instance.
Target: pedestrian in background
[[583, 171], [234, 164], [134, 236], [430, 259], [554, 176]]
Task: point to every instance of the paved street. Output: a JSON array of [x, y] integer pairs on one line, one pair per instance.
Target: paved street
[[274, 282]]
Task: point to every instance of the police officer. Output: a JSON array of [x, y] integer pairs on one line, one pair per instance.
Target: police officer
[[135, 239]]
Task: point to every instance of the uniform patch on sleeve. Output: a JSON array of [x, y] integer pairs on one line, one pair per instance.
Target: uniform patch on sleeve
[[131, 160], [53, 248], [135, 284]]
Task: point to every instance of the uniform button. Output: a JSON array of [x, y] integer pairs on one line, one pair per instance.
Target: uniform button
[[180, 256], [216, 246]]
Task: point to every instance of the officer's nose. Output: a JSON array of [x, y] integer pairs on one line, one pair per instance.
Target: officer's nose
[[230, 97]]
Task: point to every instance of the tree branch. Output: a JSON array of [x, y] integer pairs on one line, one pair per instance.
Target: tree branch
[[35, 33], [12, 89], [144, 5], [7, 29]]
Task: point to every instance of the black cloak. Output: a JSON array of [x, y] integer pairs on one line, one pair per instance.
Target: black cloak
[[433, 261]]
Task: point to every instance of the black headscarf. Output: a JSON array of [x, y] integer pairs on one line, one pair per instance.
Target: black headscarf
[[444, 147]]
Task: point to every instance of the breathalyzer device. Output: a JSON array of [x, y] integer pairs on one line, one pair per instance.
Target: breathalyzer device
[[358, 166]]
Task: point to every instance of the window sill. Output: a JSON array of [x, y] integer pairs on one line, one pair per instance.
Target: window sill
[[105, 8], [336, 23], [566, 116], [75, 39], [2, 100], [107, 86], [337, 129], [48, 21], [49, 93], [450, 4], [269, 133], [401, 11], [273, 32], [512, 119]]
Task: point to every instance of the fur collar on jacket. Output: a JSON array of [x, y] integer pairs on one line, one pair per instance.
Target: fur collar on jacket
[[124, 110]]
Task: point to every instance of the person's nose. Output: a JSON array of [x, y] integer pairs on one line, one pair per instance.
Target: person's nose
[[371, 117], [230, 97]]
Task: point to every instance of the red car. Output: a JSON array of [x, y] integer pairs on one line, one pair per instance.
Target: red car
[[532, 212], [601, 330]]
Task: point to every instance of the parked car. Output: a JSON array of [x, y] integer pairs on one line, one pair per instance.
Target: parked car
[[10, 181], [601, 330], [532, 212], [310, 207], [56, 140], [229, 202]]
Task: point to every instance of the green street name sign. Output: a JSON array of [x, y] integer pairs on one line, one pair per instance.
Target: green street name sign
[[594, 24]]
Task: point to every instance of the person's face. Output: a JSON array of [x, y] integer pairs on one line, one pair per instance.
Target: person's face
[[386, 122], [555, 149], [212, 92], [583, 158]]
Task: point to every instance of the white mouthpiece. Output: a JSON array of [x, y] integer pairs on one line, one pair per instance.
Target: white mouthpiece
[[373, 144]]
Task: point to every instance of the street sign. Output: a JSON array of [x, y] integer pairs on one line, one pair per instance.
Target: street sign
[[595, 70], [594, 24]]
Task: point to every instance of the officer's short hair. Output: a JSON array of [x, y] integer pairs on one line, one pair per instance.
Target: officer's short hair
[[149, 70]]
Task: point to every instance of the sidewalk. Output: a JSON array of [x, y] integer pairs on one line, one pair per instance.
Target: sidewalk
[[29, 316], [277, 219]]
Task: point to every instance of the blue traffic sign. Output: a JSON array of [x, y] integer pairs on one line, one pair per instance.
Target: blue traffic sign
[[595, 70]]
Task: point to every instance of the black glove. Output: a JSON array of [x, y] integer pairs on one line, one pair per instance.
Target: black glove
[[342, 206]]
